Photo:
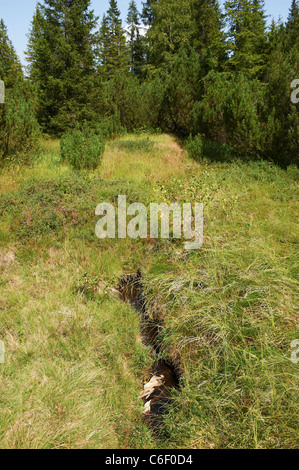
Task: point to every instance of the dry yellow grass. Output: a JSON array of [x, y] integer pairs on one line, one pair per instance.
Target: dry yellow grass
[[165, 159]]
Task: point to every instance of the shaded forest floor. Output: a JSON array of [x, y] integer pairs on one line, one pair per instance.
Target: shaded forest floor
[[75, 362]]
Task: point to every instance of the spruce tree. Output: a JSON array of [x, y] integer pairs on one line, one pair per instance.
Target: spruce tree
[[136, 43], [170, 31], [61, 61], [147, 17], [104, 46], [208, 36], [292, 25], [10, 66], [147, 12], [246, 35], [18, 126], [114, 53]]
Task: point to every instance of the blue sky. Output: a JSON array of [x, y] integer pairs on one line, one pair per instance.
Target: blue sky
[[17, 15]]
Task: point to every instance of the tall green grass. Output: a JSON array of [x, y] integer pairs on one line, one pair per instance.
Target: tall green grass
[[75, 361], [230, 310]]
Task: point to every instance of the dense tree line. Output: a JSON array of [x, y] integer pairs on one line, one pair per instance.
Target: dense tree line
[[185, 66]]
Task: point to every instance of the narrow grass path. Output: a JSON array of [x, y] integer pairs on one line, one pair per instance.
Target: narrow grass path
[[144, 159]]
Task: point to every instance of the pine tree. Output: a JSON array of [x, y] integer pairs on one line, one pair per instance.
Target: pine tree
[[283, 141], [147, 12], [10, 66], [170, 31], [114, 54], [292, 25], [182, 92], [246, 35], [104, 45], [208, 24], [208, 36], [147, 17], [135, 40], [61, 61], [19, 130]]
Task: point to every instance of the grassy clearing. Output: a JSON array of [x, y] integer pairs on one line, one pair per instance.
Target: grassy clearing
[[142, 159], [74, 358]]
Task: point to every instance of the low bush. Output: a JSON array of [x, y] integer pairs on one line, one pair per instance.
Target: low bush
[[82, 147], [217, 152], [194, 147]]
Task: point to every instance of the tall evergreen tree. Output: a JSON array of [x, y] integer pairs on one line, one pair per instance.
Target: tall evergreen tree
[[104, 46], [208, 25], [19, 130], [147, 12], [292, 25], [10, 66], [170, 31], [136, 42], [61, 61], [114, 54], [246, 35], [147, 17]]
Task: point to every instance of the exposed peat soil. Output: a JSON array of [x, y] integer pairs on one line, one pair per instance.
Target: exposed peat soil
[[165, 376]]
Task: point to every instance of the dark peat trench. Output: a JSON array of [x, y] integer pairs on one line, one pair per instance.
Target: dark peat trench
[[156, 394]]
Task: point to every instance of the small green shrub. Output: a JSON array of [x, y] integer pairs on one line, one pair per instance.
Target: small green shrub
[[148, 130], [82, 147], [194, 147]]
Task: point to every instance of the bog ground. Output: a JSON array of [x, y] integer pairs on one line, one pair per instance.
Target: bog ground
[[75, 363]]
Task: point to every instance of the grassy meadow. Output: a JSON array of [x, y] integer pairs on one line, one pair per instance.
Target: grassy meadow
[[75, 362]]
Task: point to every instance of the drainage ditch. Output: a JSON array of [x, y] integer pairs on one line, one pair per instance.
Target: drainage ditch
[[165, 376]]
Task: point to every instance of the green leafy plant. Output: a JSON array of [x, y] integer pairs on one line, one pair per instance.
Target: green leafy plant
[[82, 148], [194, 147]]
